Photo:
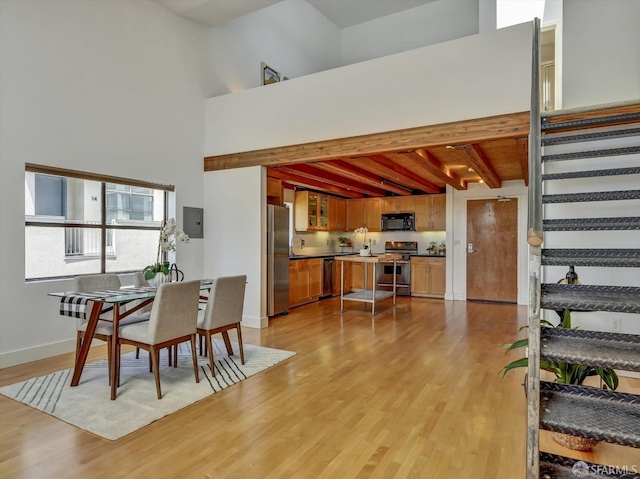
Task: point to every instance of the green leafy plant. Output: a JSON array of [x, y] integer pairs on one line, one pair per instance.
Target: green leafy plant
[[344, 240], [566, 373], [169, 234]]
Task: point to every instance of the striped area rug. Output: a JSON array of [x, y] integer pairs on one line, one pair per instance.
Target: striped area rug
[[88, 406]]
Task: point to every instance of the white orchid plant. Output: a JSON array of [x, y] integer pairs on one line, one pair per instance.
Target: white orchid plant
[[169, 235], [361, 231]]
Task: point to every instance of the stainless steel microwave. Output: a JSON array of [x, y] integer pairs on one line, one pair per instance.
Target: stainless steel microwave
[[399, 222]]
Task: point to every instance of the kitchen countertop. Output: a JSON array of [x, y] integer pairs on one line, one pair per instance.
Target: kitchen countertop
[[429, 255]]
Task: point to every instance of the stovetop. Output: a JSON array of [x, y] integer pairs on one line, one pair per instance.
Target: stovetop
[[401, 247]]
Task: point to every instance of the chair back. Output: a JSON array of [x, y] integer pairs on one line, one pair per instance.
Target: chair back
[[226, 302], [174, 312], [140, 279], [95, 282]]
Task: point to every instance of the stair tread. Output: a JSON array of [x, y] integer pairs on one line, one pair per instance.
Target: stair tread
[[581, 137], [592, 224], [553, 466], [576, 155], [621, 258], [632, 170], [580, 297], [592, 196], [591, 348], [592, 413], [589, 122]]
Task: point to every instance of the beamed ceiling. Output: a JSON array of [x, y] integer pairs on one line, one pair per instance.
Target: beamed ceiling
[[420, 160]]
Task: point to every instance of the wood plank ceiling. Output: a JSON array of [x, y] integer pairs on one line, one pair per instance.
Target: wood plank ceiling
[[420, 160]]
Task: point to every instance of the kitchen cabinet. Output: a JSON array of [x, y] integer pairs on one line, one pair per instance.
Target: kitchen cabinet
[[428, 276], [372, 213], [398, 204], [430, 212], [336, 277], [337, 214], [275, 194], [357, 276], [355, 214], [305, 281], [311, 211]]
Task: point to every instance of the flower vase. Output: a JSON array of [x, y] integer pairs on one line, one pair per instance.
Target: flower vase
[[365, 252], [158, 279]]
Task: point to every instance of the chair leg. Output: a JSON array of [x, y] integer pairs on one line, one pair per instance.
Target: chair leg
[[156, 369], [195, 358], [78, 345], [175, 354], [137, 353], [210, 347], [200, 343], [169, 352], [150, 363], [117, 363], [240, 343], [227, 342], [109, 358]]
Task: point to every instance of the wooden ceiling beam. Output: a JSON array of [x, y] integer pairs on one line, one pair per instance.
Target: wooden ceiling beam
[[401, 175], [523, 143], [426, 160], [511, 125], [344, 168], [481, 165], [312, 184], [310, 171]]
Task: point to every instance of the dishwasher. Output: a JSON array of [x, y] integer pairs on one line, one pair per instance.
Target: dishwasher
[[327, 277]]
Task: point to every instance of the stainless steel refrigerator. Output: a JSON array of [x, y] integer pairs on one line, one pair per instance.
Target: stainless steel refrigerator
[[277, 260]]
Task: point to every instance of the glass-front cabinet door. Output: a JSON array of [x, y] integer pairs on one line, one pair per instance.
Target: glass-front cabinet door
[[323, 213], [313, 211]]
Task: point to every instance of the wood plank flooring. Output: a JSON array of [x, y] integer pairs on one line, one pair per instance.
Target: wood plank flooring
[[414, 392]]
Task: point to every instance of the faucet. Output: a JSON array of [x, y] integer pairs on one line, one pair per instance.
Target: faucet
[[300, 243]]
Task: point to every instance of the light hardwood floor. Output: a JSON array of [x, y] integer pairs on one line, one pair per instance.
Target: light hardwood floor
[[413, 393]]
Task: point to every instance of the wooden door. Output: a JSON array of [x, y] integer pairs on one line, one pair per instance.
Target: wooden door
[[492, 250]]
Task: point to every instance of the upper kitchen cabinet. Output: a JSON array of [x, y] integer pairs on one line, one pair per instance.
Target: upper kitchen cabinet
[[311, 211], [398, 204], [275, 194], [337, 214], [364, 212], [431, 212]]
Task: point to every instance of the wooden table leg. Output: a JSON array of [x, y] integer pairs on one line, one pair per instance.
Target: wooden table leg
[[115, 359], [86, 342]]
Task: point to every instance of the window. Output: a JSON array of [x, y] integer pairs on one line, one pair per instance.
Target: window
[[81, 223]]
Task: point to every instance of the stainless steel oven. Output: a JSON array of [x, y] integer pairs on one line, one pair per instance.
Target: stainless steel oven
[[402, 271]]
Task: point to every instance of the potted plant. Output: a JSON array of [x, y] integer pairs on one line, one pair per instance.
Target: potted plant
[[565, 373], [158, 272], [344, 241], [364, 249]]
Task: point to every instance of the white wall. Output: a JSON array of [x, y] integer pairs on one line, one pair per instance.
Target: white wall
[[600, 52], [235, 234], [101, 86], [457, 233], [428, 24], [429, 85], [291, 36]]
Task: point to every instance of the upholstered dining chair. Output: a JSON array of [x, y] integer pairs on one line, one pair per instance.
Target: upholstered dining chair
[[104, 329], [173, 320], [223, 312]]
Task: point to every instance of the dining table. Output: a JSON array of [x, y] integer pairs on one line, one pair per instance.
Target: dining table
[[76, 305]]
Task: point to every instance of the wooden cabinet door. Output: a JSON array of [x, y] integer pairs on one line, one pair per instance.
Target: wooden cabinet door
[[437, 275], [405, 204], [293, 283], [389, 205], [419, 277], [333, 213], [423, 212], [315, 279], [357, 276], [341, 214], [303, 294], [372, 212], [323, 212], [438, 212], [355, 214]]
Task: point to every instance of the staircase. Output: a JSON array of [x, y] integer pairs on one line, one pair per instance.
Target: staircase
[[584, 212]]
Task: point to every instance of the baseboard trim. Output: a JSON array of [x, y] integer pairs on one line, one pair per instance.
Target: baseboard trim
[[255, 322], [22, 356]]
